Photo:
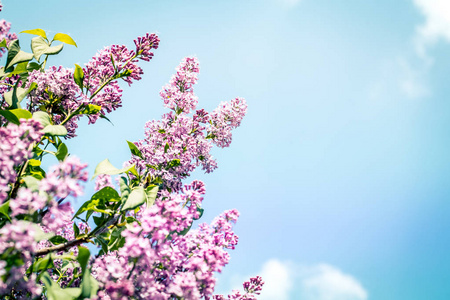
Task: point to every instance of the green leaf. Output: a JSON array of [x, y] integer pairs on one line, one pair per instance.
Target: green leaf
[[124, 188], [200, 212], [78, 76], [55, 292], [36, 172], [90, 109], [99, 202], [62, 152], [13, 50], [107, 194], [134, 149], [105, 167], [4, 208], [62, 37], [89, 286], [54, 50], [36, 31], [98, 220], [34, 162], [40, 46], [57, 239], [59, 130], [166, 147], [32, 183], [83, 257], [19, 69], [16, 95], [102, 116], [42, 117], [92, 205], [20, 57], [76, 229], [136, 198], [33, 66], [173, 163], [133, 170], [43, 263], [3, 43], [151, 192], [14, 115]]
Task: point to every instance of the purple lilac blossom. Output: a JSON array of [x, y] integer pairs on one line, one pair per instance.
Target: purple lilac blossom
[[103, 180], [5, 27], [64, 179], [15, 148], [57, 90], [26, 202], [252, 288], [159, 267], [178, 93], [61, 96], [184, 138], [18, 240], [110, 62], [227, 116]]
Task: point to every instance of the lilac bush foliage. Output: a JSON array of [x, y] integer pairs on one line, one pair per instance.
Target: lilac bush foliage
[[149, 245]]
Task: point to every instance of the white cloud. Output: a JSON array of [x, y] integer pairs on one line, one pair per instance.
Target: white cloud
[[436, 25], [413, 68], [325, 282], [278, 280], [287, 280]]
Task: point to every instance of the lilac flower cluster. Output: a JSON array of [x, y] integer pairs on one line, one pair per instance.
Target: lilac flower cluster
[[111, 63], [178, 93], [145, 44], [62, 181], [15, 148], [184, 139], [26, 202], [57, 90], [17, 243], [178, 138], [225, 118], [159, 261], [61, 95], [252, 288], [102, 181], [5, 27]]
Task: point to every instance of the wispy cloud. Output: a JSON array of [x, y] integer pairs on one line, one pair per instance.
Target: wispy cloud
[[413, 68], [412, 81], [325, 282], [436, 25], [287, 280]]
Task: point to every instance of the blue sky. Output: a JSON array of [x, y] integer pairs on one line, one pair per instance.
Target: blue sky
[[340, 169]]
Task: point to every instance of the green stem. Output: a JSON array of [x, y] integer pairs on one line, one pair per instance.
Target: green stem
[[45, 62]]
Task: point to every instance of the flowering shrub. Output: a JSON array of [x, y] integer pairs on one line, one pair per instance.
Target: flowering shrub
[[147, 247]]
